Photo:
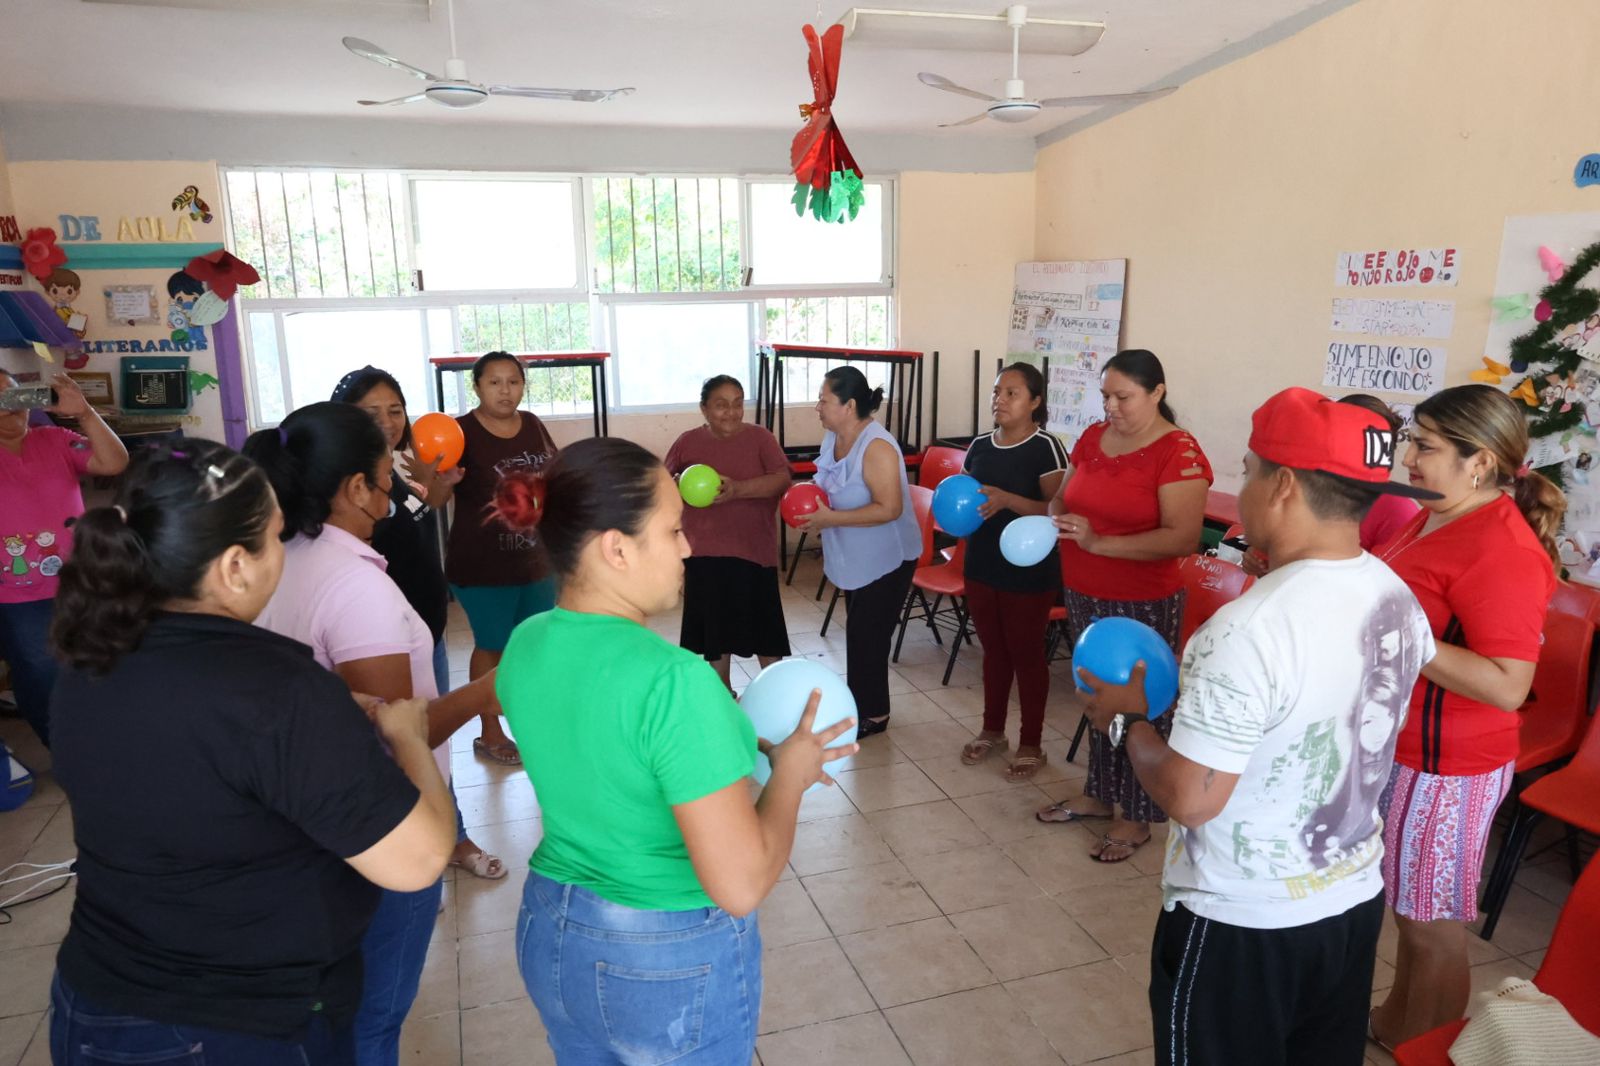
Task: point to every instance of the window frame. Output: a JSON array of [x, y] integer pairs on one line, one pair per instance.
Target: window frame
[[885, 285]]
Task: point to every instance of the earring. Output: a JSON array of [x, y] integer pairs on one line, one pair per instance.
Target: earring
[[1474, 482]]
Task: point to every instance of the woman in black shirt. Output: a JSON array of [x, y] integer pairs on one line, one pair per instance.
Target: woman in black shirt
[[409, 541], [1021, 467], [235, 812]]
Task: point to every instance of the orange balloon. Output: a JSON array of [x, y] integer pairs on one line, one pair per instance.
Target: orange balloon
[[434, 435]]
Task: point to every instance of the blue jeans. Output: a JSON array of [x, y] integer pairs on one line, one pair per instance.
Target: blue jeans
[[441, 680], [617, 986], [392, 954], [25, 646], [82, 1034]]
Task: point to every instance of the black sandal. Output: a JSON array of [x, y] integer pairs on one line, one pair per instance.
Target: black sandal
[[871, 727]]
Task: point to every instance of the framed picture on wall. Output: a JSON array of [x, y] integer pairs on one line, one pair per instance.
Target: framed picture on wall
[[131, 305], [96, 386]]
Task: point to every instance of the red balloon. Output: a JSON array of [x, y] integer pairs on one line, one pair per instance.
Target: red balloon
[[799, 501], [434, 435]]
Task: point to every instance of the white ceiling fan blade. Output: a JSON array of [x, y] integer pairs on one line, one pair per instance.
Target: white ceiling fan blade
[[583, 96], [1105, 98], [397, 100], [368, 50], [979, 117], [939, 81]]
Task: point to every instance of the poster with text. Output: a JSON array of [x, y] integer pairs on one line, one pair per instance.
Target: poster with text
[[1066, 319], [1379, 268], [1412, 370]]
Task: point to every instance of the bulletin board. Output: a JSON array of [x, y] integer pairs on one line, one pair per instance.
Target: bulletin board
[[1066, 319]]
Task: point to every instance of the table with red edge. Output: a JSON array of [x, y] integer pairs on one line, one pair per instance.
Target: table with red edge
[[595, 361], [1222, 508]]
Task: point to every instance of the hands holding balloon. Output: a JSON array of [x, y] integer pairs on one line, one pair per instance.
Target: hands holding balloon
[[1076, 528], [802, 755], [997, 500]]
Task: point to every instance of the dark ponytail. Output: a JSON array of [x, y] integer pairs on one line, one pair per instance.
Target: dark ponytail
[[178, 508], [594, 485], [1142, 366], [847, 383], [311, 454]]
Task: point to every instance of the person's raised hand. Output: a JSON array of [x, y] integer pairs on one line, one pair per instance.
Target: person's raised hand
[[801, 755]]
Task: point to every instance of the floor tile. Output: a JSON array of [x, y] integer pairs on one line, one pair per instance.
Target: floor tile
[[1025, 938], [956, 779], [1526, 923], [970, 878], [1060, 861], [868, 897], [17, 1030], [439, 991], [926, 828], [928, 739], [836, 844], [877, 750], [501, 801], [1120, 917], [25, 979], [806, 983], [788, 916], [1008, 814], [432, 1040], [881, 787], [984, 1025], [1487, 976], [918, 960], [863, 1040], [1088, 1012], [916, 708], [489, 970], [504, 1034]]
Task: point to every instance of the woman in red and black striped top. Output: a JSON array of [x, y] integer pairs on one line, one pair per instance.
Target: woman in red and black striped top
[[1479, 560]]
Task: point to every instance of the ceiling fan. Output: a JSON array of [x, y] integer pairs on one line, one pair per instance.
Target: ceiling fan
[[1015, 106], [454, 90]]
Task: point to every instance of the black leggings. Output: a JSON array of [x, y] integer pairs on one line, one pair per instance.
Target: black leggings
[[874, 610]]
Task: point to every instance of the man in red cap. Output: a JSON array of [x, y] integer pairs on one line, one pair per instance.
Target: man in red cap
[[1290, 699]]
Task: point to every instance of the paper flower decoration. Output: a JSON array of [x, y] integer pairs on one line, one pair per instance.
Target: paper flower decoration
[[39, 253], [222, 271], [1492, 373], [825, 172], [1551, 263], [1526, 393], [1513, 308]]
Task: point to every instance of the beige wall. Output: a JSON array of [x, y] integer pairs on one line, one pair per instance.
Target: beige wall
[[6, 202], [1416, 123]]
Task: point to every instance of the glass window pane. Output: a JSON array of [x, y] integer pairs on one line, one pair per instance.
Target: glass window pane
[[664, 351], [787, 249], [266, 374], [324, 346], [495, 234]]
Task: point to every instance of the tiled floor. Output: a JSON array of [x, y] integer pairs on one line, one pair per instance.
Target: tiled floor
[[925, 917]]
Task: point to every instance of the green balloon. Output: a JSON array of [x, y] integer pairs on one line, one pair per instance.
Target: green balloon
[[698, 485]]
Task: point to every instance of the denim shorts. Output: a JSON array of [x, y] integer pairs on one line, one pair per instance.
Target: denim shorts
[[644, 988], [494, 611]]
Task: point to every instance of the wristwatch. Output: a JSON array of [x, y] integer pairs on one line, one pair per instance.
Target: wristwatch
[[1120, 724]]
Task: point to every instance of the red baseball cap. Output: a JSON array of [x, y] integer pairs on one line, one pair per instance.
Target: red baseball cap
[[1305, 430]]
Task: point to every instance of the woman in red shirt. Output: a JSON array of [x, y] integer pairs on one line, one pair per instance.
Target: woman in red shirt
[[1132, 506], [1479, 560]]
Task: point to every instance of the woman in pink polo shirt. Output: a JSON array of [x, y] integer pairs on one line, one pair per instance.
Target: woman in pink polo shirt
[[332, 470]]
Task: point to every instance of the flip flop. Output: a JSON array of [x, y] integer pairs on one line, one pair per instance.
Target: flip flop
[[980, 748], [482, 864], [1066, 815], [1109, 841], [503, 752]]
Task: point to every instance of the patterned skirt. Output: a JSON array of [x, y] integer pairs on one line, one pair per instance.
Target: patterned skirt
[[1435, 831], [1111, 778]]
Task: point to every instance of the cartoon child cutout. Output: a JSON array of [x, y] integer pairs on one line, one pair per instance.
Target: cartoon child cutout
[[50, 564], [18, 567], [63, 286], [183, 291]]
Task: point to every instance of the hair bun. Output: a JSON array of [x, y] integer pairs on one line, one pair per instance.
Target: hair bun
[[519, 500]]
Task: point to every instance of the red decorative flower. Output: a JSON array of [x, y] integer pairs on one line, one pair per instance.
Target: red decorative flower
[[223, 271], [39, 253]]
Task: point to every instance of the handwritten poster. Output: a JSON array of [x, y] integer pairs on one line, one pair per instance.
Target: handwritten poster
[[1066, 319], [1414, 371], [1393, 318], [1395, 267]]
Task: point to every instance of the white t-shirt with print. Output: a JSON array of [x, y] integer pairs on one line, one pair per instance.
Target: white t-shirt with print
[[1300, 686]]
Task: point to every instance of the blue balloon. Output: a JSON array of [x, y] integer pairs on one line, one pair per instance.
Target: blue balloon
[[1027, 540], [777, 697], [1109, 647], [955, 505]]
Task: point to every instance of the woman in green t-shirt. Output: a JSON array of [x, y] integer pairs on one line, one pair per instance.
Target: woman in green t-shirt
[[637, 937]]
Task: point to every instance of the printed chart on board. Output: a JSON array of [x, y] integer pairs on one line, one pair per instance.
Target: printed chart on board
[[1066, 319]]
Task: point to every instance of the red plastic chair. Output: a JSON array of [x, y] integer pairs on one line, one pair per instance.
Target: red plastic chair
[[922, 507], [939, 461], [942, 580], [1567, 972], [1581, 600], [1554, 721]]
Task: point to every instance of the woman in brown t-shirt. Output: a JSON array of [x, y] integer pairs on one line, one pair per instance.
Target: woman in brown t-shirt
[[499, 576]]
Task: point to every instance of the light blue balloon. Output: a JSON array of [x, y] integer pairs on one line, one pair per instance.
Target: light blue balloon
[[1027, 540], [1108, 648], [777, 697], [955, 505]]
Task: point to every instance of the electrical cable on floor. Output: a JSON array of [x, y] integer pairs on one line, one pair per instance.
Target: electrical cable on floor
[[41, 875]]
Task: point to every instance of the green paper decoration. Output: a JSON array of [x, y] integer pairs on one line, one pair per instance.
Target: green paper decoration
[[1513, 308], [839, 200], [1541, 352]]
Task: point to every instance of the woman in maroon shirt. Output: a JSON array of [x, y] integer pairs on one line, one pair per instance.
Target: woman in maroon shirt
[[731, 604], [1131, 507]]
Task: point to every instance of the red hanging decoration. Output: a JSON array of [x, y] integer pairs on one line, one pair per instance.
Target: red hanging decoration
[[824, 170], [40, 255]]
